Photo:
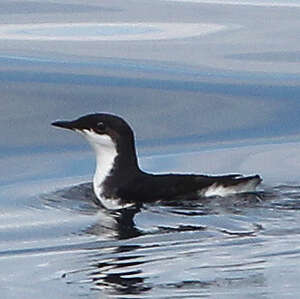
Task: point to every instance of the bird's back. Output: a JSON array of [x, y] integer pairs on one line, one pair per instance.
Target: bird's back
[[150, 187]]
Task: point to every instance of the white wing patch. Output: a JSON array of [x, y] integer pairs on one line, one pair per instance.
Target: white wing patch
[[220, 190]]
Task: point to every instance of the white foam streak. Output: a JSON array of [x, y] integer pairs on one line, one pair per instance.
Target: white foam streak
[[247, 2], [106, 31]]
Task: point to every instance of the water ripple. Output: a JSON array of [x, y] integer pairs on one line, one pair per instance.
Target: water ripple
[[164, 249]]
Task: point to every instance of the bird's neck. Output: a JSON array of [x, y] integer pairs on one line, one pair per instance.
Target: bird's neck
[[105, 161], [113, 169]]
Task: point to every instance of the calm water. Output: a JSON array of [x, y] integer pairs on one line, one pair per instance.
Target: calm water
[[208, 88]]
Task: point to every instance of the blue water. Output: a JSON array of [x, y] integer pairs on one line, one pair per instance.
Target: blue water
[[220, 103]]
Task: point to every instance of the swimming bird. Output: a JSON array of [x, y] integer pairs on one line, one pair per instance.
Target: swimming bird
[[118, 180]]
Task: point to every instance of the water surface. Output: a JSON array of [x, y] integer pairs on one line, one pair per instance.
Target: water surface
[[224, 101]]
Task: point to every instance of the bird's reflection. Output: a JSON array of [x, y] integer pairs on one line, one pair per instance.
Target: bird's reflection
[[114, 268], [118, 269], [121, 273]]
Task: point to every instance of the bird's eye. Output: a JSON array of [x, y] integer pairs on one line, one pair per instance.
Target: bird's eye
[[101, 127]]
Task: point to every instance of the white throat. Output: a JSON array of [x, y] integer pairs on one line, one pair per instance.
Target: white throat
[[105, 150]]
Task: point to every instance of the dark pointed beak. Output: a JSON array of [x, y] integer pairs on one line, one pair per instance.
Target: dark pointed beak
[[71, 125]]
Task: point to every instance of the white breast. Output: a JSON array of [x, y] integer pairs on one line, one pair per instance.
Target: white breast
[[114, 203], [106, 152]]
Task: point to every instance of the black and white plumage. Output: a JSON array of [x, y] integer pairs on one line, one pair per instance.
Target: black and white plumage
[[119, 182]]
